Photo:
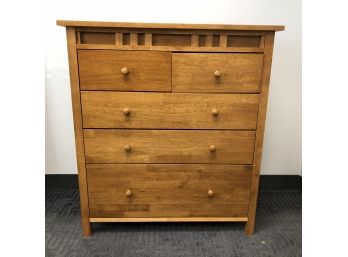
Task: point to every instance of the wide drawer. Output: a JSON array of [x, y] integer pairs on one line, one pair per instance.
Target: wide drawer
[[162, 190], [217, 72], [169, 110], [124, 70], [168, 146]]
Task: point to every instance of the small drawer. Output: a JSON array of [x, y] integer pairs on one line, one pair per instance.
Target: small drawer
[[162, 190], [169, 110], [124, 70], [169, 146], [217, 72]]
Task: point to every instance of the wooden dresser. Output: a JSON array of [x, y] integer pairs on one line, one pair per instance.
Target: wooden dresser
[[169, 119]]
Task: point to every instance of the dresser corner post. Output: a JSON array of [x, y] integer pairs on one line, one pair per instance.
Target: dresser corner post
[[79, 141], [261, 120]]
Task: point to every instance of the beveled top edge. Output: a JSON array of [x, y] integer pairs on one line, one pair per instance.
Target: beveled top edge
[[104, 24]]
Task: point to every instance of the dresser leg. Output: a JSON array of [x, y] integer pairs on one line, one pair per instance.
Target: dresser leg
[[249, 227], [86, 227]]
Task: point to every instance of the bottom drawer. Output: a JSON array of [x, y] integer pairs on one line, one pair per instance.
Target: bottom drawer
[[168, 190]]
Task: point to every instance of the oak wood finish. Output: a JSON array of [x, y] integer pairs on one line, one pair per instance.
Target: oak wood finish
[[269, 41], [243, 41], [171, 39], [171, 48], [169, 110], [97, 38], [168, 146], [103, 24], [185, 219], [212, 72], [76, 106], [201, 32], [169, 119], [183, 40], [124, 70], [175, 190]]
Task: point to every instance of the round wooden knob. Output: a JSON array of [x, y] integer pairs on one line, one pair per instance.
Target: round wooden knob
[[127, 148], [129, 193], [126, 111], [217, 74], [215, 112], [125, 71], [210, 193], [212, 148]]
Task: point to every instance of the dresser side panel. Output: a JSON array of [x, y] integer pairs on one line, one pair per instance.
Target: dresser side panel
[[79, 141], [269, 41]]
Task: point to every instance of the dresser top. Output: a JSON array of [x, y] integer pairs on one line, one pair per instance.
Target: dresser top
[[69, 23]]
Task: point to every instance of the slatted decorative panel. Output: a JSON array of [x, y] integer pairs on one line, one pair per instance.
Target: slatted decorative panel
[[161, 40]]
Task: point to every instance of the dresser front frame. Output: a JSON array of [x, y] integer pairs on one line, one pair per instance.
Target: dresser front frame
[[266, 48]]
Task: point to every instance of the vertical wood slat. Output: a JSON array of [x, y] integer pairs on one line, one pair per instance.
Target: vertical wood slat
[[194, 40], [223, 41], [254, 189], [118, 38], [79, 141], [148, 39], [133, 39], [262, 42], [209, 40], [78, 37]]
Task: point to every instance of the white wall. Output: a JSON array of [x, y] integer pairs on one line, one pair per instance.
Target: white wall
[[282, 146]]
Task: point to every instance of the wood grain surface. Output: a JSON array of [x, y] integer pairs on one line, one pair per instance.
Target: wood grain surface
[[168, 146], [194, 72], [162, 190], [169, 110], [169, 119], [79, 143], [107, 24], [172, 219], [102, 70], [261, 121], [170, 48]]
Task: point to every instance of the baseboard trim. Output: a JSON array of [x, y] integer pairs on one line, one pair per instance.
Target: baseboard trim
[[281, 181], [266, 181], [61, 180]]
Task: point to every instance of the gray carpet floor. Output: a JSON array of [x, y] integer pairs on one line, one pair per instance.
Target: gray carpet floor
[[278, 232]]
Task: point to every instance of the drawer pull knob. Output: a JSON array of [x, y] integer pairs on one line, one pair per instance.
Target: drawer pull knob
[[129, 193], [127, 148], [125, 71], [217, 74], [210, 193], [212, 148], [126, 111], [215, 112]]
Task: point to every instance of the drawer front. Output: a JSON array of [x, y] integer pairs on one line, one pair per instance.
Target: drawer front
[[169, 110], [168, 146], [215, 72], [124, 70], [162, 190]]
